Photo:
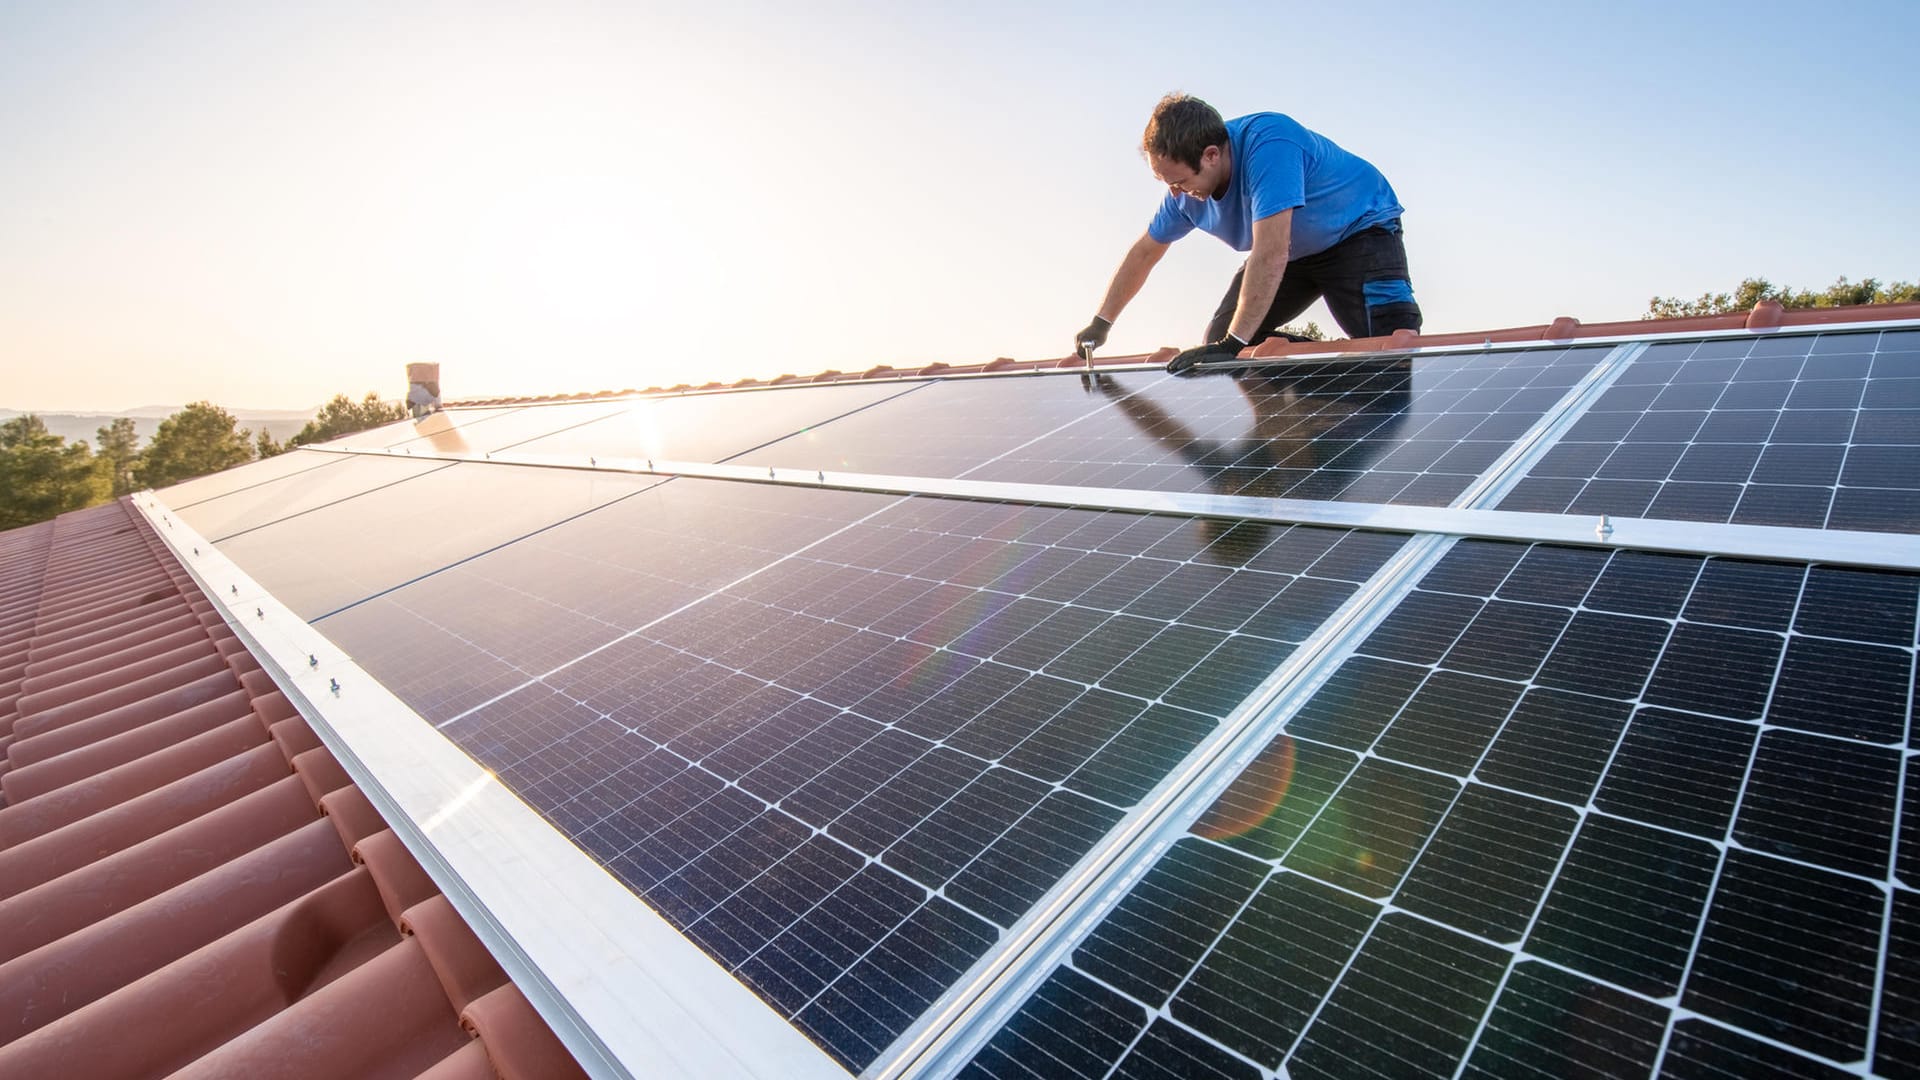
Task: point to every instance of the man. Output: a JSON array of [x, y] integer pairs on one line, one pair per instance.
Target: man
[[1315, 220]]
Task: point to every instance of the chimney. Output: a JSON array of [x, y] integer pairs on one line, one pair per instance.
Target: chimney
[[423, 389]]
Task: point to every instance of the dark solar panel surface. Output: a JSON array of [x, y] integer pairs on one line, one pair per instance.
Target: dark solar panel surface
[[1807, 431], [1555, 792], [887, 727], [1411, 431], [1565, 812]]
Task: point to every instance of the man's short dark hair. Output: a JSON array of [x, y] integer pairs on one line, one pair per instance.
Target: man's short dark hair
[[1182, 128]]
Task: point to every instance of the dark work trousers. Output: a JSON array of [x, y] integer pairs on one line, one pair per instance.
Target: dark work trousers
[[1363, 278]]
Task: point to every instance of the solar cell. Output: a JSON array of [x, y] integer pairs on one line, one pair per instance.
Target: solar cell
[[1550, 1024], [1804, 430]]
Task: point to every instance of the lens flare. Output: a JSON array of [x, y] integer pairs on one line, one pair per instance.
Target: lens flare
[[1254, 798]]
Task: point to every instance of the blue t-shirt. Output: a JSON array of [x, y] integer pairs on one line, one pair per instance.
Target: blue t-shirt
[[1279, 165]]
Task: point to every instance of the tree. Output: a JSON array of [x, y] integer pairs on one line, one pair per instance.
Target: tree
[[266, 446], [41, 475], [1842, 293], [342, 417], [197, 440], [119, 451]]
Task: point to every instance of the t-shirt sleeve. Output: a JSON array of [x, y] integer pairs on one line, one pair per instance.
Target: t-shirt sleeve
[[1276, 176], [1169, 224]]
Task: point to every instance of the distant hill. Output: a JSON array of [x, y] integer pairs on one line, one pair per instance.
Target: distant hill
[[81, 427]]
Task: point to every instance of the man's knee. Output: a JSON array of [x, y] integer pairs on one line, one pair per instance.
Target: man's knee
[[1390, 306]]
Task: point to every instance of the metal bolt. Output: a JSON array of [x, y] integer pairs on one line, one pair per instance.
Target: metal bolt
[[593, 461], [1604, 529], [649, 464], [312, 660], [235, 589], [334, 685], [769, 472], [823, 476], [259, 614]]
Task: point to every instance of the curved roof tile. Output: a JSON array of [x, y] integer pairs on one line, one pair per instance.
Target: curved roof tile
[[188, 880]]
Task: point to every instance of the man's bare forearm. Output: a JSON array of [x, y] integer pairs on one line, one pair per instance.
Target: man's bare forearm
[[1139, 262], [1266, 265]]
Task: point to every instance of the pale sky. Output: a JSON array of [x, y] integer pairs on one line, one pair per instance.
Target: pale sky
[[267, 204]]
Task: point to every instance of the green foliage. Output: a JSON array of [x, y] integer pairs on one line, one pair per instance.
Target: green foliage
[[119, 452], [1311, 331], [266, 446], [1842, 293], [197, 440], [342, 416], [41, 475]]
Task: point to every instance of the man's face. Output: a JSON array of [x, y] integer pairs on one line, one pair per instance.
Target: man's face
[[1203, 183]]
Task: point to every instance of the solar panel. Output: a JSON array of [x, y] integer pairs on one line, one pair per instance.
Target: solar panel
[[925, 717], [446, 515], [479, 430], [253, 474], [1806, 431], [1536, 808], [447, 430], [1398, 430], [713, 427], [295, 492]]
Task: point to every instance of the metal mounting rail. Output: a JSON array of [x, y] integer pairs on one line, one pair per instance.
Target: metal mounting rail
[[1845, 547]]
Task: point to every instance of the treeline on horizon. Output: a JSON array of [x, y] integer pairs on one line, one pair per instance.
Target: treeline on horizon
[[42, 475]]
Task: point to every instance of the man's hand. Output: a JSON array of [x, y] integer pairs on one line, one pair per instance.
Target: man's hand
[[1094, 336], [1227, 348]]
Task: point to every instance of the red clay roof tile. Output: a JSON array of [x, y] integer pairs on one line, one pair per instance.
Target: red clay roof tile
[[1765, 315], [176, 889]]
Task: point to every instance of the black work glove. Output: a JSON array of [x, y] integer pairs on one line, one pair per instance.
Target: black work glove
[[1094, 336], [1227, 348]]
